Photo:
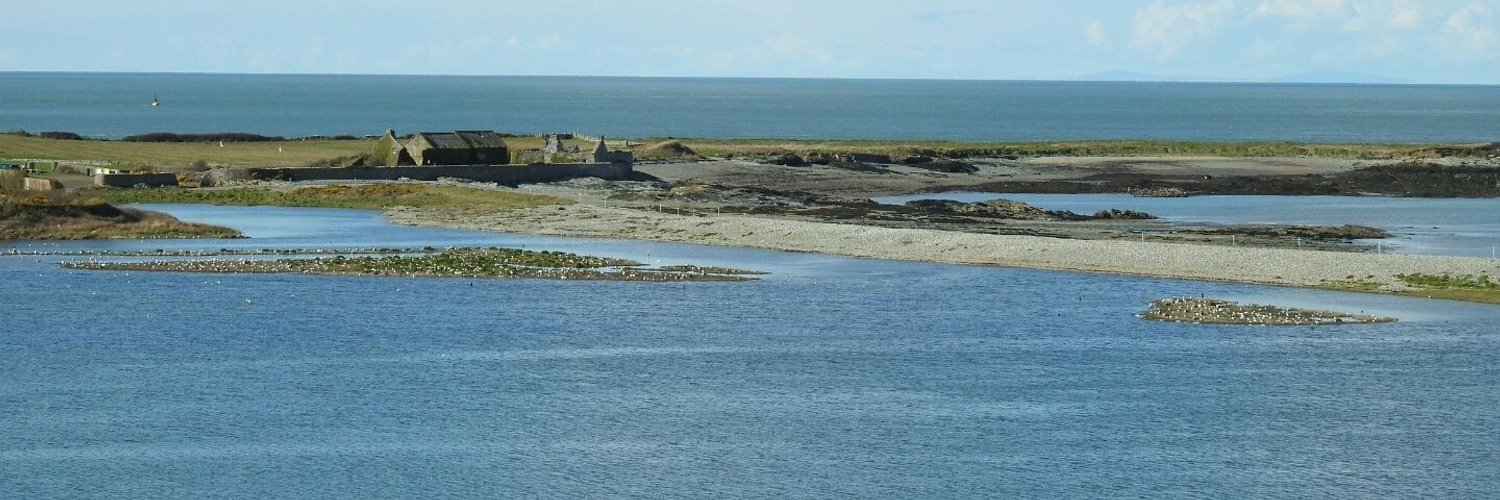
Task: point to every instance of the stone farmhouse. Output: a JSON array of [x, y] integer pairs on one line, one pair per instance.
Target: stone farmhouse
[[474, 147], [477, 155], [463, 147]]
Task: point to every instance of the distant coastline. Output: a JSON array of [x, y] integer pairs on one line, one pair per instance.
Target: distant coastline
[[295, 105]]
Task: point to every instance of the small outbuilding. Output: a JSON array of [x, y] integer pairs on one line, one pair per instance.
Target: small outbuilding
[[602, 154]]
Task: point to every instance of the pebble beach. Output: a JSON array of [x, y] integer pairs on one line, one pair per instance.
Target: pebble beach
[[1287, 267]]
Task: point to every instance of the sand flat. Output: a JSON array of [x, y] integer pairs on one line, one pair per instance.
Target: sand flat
[[1290, 267]]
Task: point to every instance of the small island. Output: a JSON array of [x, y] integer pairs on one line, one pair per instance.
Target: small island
[[451, 263], [58, 215], [1223, 312], [44, 218]]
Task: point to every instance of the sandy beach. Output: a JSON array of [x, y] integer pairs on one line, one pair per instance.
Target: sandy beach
[[1288, 267]]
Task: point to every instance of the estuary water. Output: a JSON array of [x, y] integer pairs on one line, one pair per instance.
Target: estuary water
[[1465, 227], [830, 377], [118, 104]]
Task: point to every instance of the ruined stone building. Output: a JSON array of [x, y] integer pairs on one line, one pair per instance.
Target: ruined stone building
[[464, 147], [553, 144], [602, 154], [477, 147]]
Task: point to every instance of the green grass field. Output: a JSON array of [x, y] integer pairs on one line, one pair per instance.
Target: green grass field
[[369, 197], [1482, 289], [177, 154], [304, 152], [1470, 288], [720, 147]]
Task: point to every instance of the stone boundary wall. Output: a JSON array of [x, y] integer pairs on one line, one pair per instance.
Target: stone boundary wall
[[132, 180], [501, 174], [40, 184]]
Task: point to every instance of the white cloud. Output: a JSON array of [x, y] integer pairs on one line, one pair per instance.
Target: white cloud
[[1470, 33], [1301, 10], [540, 42], [1404, 16], [1168, 29], [1096, 34], [1260, 49], [1385, 15]]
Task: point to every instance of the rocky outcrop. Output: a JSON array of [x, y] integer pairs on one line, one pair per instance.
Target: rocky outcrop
[[859, 167], [1223, 312], [787, 159], [948, 166], [1007, 209], [1117, 214], [225, 177], [1318, 233]]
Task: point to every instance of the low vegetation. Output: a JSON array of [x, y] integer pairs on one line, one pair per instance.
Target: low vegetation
[[168, 150], [365, 196], [668, 150], [455, 263], [953, 149], [175, 154], [213, 137], [1469, 288], [1481, 288], [12, 181]]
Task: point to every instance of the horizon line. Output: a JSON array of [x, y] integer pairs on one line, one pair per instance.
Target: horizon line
[[1081, 79]]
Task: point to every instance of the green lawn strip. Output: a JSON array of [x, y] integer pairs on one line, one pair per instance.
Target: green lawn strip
[[369, 197], [1468, 288]]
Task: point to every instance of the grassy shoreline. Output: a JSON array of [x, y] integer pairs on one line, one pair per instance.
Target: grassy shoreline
[[364, 196], [39, 217], [302, 152], [1089, 148]]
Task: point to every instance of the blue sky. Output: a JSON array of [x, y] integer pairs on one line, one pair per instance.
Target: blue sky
[[1418, 41]]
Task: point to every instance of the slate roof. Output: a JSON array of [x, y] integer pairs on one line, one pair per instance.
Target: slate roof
[[463, 139], [482, 138], [444, 140]]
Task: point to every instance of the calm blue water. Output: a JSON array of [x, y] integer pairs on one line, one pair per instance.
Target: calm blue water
[[1465, 227], [832, 377], [117, 104]]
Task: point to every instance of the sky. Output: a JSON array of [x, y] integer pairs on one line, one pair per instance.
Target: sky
[[1408, 41]]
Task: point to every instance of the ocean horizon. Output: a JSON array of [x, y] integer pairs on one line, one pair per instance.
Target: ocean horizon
[[113, 105]]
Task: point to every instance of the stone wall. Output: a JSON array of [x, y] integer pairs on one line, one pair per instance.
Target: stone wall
[[501, 174], [132, 180], [39, 184]]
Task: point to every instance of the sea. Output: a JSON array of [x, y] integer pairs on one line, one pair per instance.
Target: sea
[[830, 377], [113, 105], [1459, 227]]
